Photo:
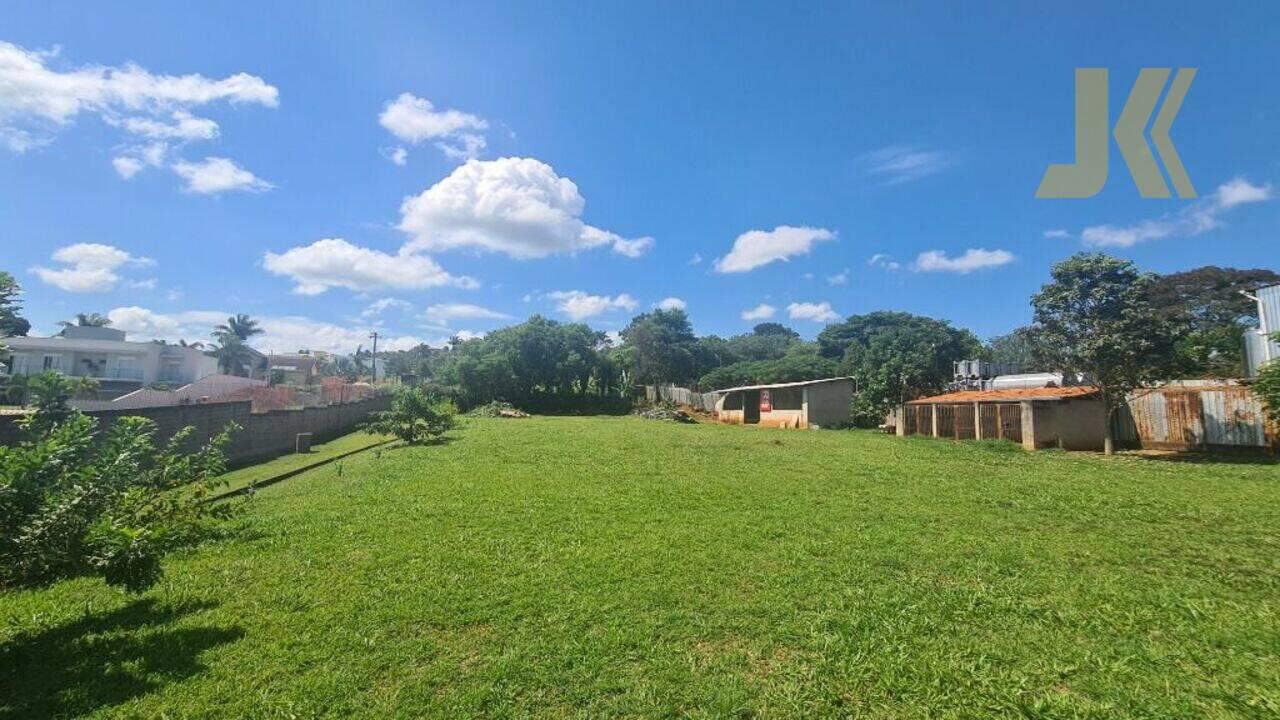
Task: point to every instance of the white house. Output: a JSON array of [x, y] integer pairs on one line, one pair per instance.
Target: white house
[[103, 354]]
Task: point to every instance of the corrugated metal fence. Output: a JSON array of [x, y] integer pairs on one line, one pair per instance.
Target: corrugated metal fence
[[1195, 418], [681, 396]]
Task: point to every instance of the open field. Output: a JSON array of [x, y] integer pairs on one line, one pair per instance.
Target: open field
[[558, 567], [255, 474]]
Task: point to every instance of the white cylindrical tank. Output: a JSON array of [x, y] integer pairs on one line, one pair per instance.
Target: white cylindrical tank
[[1029, 380]]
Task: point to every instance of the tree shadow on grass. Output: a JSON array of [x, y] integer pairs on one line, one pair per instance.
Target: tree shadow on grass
[[104, 659], [1210, 458]]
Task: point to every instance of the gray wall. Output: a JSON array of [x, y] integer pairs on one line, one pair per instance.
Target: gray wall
[[262, 436], [829, 402]]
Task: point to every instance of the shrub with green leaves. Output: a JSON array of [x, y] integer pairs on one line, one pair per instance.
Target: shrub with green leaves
[[75, 502], [1267, 386], [415, 417]]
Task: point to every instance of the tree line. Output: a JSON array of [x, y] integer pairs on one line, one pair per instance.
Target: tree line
[[1097, 315]]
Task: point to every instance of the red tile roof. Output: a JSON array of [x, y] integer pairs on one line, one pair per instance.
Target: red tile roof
[[1009, 395]]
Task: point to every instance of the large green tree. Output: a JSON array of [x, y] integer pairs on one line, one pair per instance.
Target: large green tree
[[894, 356], [663, 347], [11, 322], [1097, 317], [1020, 348], [1209, 307]]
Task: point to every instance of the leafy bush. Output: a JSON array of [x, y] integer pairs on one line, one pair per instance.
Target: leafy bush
[[72, 503], [1267, 387], [416, 416]]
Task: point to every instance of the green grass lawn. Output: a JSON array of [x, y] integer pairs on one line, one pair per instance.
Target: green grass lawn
[[589, 567], [254, 474]]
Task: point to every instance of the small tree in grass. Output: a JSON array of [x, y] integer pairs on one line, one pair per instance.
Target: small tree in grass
[[73, 503], [415, 417], [1097, 318]]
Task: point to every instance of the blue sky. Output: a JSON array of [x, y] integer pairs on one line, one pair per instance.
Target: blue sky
[[310, 166]]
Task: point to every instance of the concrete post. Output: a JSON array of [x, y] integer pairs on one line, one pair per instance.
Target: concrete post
[[933, 411], [977, 421], [901, 428], [1028, 424]]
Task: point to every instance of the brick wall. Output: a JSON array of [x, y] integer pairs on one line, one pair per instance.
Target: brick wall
[[262, 435]]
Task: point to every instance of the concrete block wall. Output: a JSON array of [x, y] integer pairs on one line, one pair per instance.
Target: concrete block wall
[[262, 436]]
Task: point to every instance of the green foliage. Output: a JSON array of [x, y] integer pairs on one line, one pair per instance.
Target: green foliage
[[1210, 312], [662, 347], [11, 323], [894, 356], [1267, 387], [533, 360], [802, 364], [1021, 348], [1097, 317], [415, 417], [73, 503]]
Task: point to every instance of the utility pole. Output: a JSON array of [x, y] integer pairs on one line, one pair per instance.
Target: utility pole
[[374, 335]]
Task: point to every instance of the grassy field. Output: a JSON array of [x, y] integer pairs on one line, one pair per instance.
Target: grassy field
[[255, 474], [589, 567]]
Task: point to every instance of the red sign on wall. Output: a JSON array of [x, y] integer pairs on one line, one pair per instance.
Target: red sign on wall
[[766, 401]]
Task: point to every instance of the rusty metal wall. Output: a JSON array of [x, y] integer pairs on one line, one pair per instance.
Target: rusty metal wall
[[1197, 418]]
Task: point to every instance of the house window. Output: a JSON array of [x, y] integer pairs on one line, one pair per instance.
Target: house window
[[788, 398], [21, 365], [53, 362]]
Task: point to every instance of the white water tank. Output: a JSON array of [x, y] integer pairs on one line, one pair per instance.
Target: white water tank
[[1028, 380]]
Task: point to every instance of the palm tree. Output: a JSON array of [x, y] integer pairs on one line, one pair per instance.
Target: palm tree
[[87, 320], [233, 350], [241, 325]]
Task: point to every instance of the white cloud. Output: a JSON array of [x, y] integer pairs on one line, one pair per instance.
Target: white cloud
[[465, 335], [516, 206], [816, 312], [381, 305], [397, 155], [972, 259], [90, 267], [900, 164], [633, 248], [445, 313], [763, 311], [415, 120], [1194, 219], [184, 126], [37, 101], [334, 262], [1057, 234], [281, 334], [883, 261], [127, 167], [216, 174], [840, 278], [579, 305], [696, 259], [756, 248], [672, 303]]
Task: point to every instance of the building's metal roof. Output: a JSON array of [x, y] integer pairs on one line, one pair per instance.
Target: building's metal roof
[[771, 386], [1008, 395]]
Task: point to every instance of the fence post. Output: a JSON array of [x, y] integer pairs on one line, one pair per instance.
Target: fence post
[[977, 421], [933, 411]]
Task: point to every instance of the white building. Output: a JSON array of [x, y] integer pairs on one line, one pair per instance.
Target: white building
[[103, 354]]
